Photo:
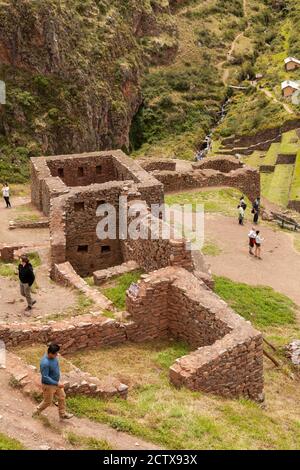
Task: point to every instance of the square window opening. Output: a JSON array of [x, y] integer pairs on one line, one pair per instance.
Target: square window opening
[[78, 206], [83, 249]]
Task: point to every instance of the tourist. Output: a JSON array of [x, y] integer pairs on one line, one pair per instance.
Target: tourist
[[252, 238], [256, 210], [26, 277], [243, 203], [241, 215], [258, 242], [51, 385], [5, 192]]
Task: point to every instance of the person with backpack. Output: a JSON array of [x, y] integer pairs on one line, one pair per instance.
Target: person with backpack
[[26, 277]]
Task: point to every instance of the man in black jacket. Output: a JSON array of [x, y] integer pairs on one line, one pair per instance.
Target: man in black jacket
[[26, 276]]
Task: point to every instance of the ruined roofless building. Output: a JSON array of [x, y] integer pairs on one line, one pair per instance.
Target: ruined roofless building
[[69, 188]]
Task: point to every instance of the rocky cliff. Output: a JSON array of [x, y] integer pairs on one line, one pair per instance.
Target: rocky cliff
[[73, 70]]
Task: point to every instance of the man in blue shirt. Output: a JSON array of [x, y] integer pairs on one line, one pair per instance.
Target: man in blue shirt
[[51, 385]]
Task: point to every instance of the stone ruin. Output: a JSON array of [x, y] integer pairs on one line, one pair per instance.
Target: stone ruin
[[174, 300]]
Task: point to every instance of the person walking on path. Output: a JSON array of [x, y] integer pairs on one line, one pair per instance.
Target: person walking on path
[[51, 385], [252, 238], [256, 210], [5, 192], [258, 242], [241, 215], [26, 277]]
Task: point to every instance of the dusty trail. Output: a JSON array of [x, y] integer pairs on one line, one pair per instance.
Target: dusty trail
[[51, 298], [272, 97], [230, 53], [17, 422], [235, 263]]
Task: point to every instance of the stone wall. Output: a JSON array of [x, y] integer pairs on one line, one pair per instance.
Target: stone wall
[[76, 382], [272, 134], [53, 176], [169, 302], [294, 205], [158, 250], [223, 164], [286, 159], [229, 358], [82, 170], [152, 165], [246, 179]]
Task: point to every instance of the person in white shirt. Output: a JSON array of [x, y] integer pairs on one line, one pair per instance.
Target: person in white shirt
[[258, 242], [241, 215], [252, 238], [5, 192]]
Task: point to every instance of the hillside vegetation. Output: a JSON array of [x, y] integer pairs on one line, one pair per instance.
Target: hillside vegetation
[[147, 76], [72, 70]]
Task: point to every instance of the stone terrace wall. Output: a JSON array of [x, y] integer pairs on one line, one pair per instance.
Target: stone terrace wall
[[229, 360], [294, 205], [246, 179], [225, 165]]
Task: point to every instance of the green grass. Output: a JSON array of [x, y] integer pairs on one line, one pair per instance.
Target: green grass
[[117, 292], [262, 305], [211, 249], [82, 307], [271, 155], [7, 443], [279, 189], [10, 269], [223, 201], [179, 418], [88, 443], [295, 186]]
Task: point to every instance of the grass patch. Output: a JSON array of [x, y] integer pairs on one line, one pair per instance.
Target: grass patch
[[182, 419], [7, 443], [117, 291], [11, 269], [211, 249], [221, 201], [82, 307], [262, 305], [8, 270], [88, 443], [33, 354]]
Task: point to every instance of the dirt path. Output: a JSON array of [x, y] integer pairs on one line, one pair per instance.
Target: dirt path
[[17, 422], [280, 267], [272, 97], [220, 65], [51, 298]]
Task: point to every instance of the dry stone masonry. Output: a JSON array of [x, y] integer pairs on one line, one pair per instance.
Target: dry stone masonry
[[174, 300], [171, 302]]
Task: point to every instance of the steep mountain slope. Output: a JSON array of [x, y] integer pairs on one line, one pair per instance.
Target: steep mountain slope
[[72, 70], [149, 76]]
